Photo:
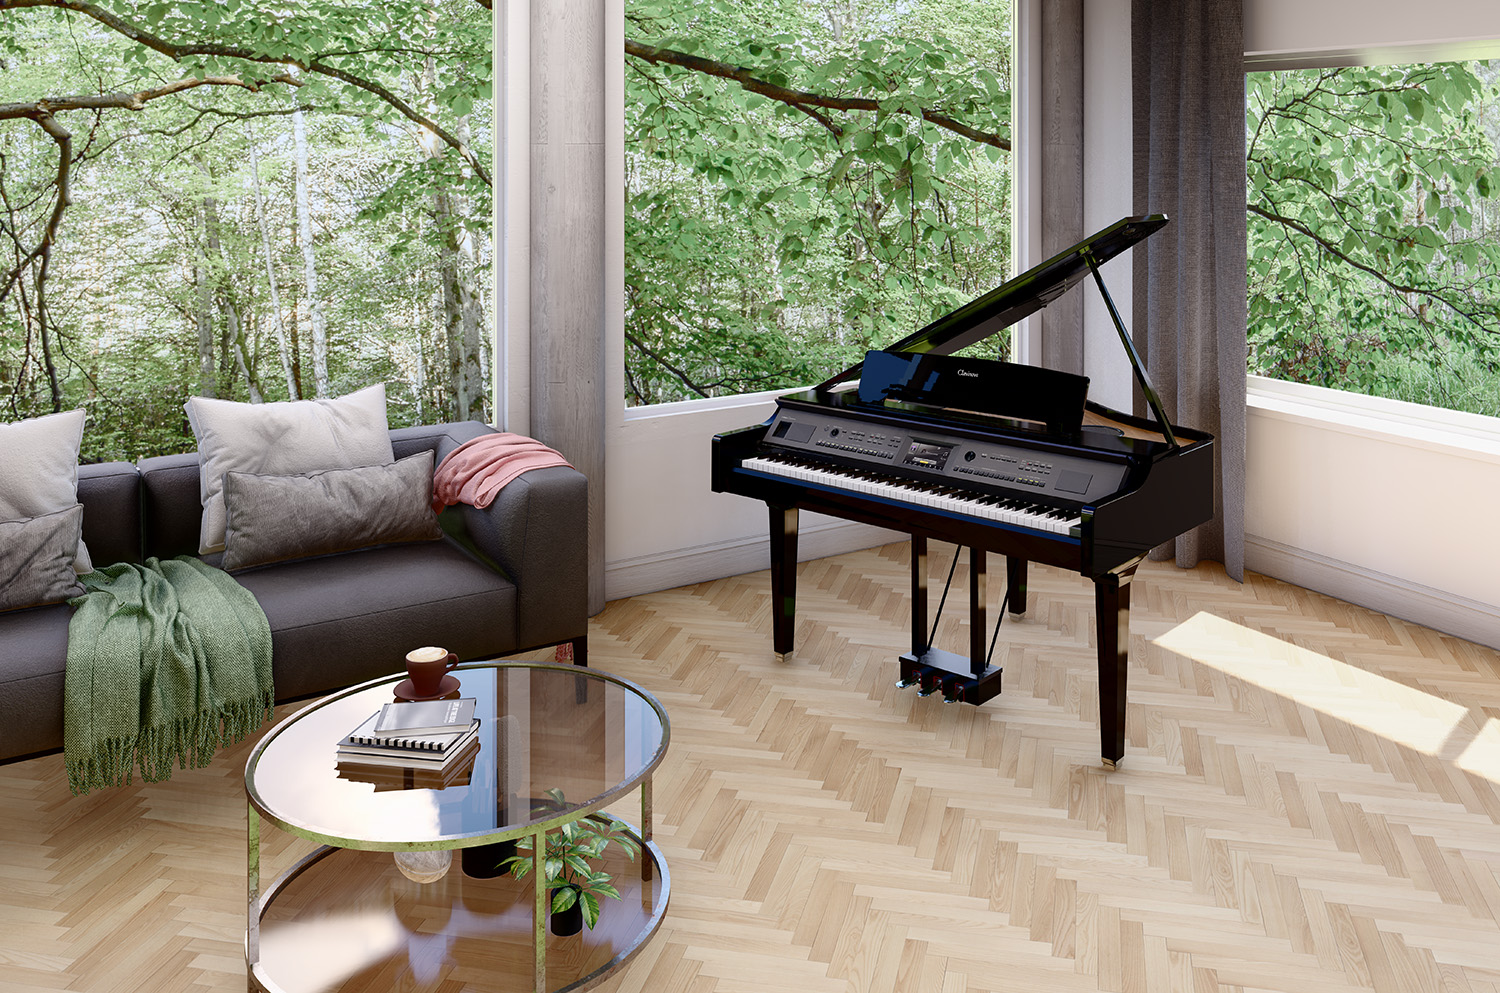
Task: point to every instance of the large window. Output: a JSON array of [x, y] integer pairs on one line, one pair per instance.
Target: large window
[[805, 180], [245, 201], [1374, 230]]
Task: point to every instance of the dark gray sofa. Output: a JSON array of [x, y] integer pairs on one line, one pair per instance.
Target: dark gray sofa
[[508, 578]]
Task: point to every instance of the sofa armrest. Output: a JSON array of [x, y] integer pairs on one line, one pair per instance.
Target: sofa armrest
[[536, 531]]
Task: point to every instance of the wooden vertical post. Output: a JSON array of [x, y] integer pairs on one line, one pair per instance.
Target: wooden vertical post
[[567, 249]]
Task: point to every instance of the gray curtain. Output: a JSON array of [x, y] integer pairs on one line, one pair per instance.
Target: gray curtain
[[1061, 181], [1189, 322]]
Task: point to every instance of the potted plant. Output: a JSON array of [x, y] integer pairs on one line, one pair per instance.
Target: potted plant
[[576, 885]]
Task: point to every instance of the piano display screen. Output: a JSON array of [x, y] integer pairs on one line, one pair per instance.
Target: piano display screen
[[927, 455]]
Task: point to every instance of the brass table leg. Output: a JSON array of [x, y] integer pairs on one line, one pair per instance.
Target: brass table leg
[[252, 895], [539, 911]]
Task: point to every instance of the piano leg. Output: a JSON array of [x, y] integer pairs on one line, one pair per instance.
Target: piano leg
[[1112, 619], [783, 579], [978, 593], [1015, 585], [918, 594]]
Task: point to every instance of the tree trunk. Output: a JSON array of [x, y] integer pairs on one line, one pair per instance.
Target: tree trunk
[[265, 245], [417, 324], [294, 340], [235, 336], [233, 343], [463, 307], [309, 264], [208, 383]]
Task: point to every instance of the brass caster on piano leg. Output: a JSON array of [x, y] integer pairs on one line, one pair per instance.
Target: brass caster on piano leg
[[1109, 764], [781, 657]]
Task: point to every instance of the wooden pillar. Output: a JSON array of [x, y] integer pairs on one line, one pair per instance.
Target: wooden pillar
[[1062, 171], [567, 248]]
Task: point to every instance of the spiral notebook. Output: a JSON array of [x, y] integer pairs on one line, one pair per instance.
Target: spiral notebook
[[364, 740]]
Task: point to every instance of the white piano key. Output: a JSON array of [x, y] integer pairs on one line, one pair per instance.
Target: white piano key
[[1004, 510]]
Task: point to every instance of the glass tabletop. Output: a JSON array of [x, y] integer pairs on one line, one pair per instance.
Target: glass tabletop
[[556, 742]]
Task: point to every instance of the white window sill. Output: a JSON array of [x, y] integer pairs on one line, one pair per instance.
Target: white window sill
[[706, 405], [1428, 428]]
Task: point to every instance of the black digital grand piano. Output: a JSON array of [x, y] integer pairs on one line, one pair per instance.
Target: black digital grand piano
[[985, 454]]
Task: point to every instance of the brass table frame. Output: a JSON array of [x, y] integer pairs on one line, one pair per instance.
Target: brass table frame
[[652, 860]]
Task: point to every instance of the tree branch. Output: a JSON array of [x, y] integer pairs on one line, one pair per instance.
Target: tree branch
[[137, 100], [800, 99], [178, 52], [1329, 247]]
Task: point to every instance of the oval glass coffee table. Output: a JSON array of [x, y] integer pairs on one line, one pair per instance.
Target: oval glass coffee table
[[556, 744]]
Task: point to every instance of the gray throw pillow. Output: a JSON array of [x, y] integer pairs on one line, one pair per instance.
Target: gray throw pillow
[[39, 469], [36, 559], [288, 436], [275, 518]]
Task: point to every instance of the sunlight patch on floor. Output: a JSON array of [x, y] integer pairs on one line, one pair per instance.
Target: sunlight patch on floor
[[1392, 710]]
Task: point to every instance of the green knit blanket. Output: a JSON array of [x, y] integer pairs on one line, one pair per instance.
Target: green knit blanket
[[167, 662]]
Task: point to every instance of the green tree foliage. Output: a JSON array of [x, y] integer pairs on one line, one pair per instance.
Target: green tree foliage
[[1373, 259], [129, 213], [805, 181]]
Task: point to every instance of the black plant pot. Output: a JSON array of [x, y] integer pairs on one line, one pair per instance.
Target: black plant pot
[[570, 921], [487, 861]]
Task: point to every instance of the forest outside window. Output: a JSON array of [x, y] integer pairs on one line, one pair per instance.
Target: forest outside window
[[806, 180], [1374, 230], [243, 200]]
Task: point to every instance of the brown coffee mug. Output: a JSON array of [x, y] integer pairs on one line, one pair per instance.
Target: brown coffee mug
[[426, 667]]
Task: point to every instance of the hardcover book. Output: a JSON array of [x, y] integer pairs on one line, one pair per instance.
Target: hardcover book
[[423, 717]]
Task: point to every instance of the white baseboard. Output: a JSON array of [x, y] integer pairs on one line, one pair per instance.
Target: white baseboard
[[1469, 619], [734, 557]]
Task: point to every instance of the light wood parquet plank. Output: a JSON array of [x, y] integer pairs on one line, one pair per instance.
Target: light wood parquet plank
[[1308, 801]]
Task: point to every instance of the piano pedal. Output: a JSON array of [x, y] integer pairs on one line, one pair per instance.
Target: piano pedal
[[937, 671], [958, 688], [918, 676]]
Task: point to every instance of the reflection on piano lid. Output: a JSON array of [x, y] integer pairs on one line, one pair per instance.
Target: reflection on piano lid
[[995, 456]]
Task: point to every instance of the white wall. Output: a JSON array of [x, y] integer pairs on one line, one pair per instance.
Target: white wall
[[1375, 502], [1377, 31]]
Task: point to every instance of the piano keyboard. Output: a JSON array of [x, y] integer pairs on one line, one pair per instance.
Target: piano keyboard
[[1004, 510]]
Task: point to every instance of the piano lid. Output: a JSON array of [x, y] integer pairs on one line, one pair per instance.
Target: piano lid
[[1020, 297]]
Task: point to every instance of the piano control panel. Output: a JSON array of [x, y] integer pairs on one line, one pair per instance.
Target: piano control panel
[[962, 462]]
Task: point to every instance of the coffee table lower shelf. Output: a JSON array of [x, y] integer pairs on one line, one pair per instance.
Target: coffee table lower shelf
[[349, 921]]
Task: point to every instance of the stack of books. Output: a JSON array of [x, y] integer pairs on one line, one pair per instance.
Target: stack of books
[[428, 744]]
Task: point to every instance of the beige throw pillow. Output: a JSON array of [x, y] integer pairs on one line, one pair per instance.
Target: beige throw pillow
[[39, 470], [283, 438], [36, 559], [275, 518]]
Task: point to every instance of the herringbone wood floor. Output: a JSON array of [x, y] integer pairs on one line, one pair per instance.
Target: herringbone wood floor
[[1308, 802]]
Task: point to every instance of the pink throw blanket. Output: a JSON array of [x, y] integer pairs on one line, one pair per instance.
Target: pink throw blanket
[[476, 470]]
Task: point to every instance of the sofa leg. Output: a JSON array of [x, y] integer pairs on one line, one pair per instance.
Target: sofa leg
[[581, 650]]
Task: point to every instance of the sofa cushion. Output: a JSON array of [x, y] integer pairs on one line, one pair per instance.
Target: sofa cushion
[[346, 618], [111, 496], [31, 679], [278, 518], [39, 469], [36, 559], [285, 437]]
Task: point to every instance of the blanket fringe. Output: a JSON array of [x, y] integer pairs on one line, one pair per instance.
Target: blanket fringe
[[189, 743]]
